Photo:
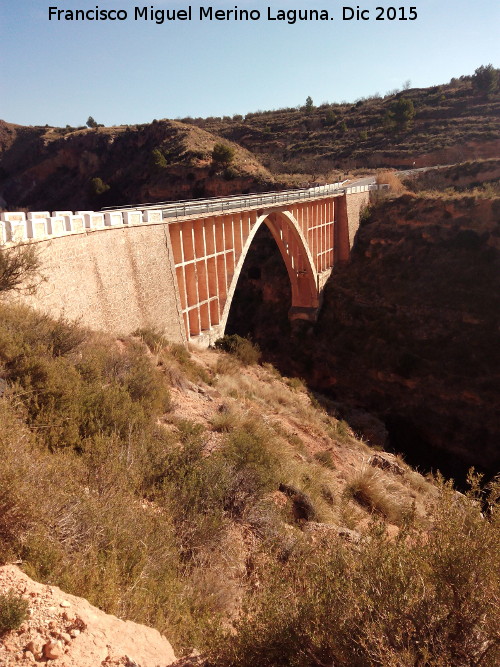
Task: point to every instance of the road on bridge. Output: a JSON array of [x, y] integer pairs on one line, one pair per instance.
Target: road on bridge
[[193, 207]]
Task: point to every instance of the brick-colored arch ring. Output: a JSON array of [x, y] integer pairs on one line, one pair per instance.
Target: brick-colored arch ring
[[296, 256]]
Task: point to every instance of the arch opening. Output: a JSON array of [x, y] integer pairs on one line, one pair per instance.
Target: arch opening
[[292, 247], [263, 295]]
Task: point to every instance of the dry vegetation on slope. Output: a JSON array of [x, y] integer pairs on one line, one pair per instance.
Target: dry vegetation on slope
[[451, 123], [212, 498]]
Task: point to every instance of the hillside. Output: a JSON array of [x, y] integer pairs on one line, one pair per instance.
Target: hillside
[[452, 123], [195, 491], [87, 168]]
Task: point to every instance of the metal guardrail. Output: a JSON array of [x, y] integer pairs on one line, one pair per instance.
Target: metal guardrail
[[183, 209], [41, 225]]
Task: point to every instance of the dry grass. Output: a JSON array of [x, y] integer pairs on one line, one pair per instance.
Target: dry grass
[[391, 179], [216, 534], [373, 490], [420, 598]]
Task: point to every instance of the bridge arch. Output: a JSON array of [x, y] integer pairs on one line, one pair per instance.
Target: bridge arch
[[298, 261]]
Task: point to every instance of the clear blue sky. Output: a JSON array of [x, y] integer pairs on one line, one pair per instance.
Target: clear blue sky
[[133, 71]]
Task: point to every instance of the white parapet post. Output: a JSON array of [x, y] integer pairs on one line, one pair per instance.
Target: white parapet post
[[16, 230], [56, 226], [14, 226], [132, 217], [77, 223], [3, 235], [92, 219], [38, 215], [152, 215], [113, 218], [66, 215], [12, 216], [36, 228]]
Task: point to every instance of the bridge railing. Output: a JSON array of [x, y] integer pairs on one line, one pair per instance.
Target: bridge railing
[[16, 227], [207, 206], [237, 202]]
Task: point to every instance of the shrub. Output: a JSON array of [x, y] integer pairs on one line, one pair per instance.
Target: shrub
[[179, 356], [13, 611], [330, 117], [309, 105], [230, 173], [370, 489], [20, 268], [158, 160], [242, 348], [485, 80], [225, 420], [153, 337], [419, 599], [248, 451], [222, 155], [401, 113], [98, 186]]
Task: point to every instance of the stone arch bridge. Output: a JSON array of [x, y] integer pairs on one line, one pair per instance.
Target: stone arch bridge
[[175, 266]]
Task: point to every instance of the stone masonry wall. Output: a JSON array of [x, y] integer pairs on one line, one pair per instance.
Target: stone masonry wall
[[355, 202], [115, 279]]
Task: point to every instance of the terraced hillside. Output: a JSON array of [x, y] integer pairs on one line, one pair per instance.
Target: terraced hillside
[[452, 122]]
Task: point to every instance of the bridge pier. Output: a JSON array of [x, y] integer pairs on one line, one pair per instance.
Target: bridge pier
[[303, 313]]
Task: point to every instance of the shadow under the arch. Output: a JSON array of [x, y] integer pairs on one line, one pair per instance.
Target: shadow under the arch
[[262, 298]]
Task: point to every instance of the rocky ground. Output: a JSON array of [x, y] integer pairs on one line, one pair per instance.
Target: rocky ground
[[67, 631]]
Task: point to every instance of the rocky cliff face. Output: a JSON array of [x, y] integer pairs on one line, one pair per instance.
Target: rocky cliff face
[[410, 329]]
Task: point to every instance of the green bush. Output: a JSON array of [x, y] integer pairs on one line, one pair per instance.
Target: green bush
[[401, 113], [222, 155], [158, 159], [70, 398], [13, 611], [485, 80], [98, 186]]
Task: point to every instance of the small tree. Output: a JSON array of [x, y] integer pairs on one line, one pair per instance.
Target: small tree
[[91, 122], [158, 159], [222, 155], [98, 186], [20, 268], [309, 105], [330, 117], [401, 113], [485, 80]]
